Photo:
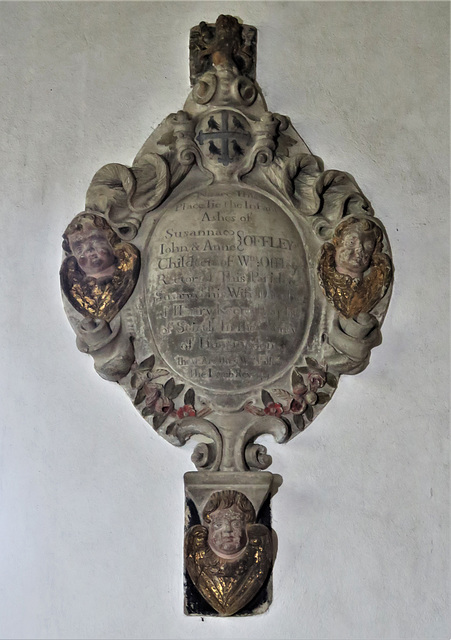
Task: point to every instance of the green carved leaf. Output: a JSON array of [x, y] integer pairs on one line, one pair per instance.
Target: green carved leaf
[[148, 363], [158, 420], [266, 398], [140, 396], [169, 387], [157, 373], [298, 420], [296, 377], [331, 380], [177, 390], [282, 395]]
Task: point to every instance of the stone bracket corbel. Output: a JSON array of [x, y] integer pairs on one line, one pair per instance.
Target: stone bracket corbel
[[110, 348]]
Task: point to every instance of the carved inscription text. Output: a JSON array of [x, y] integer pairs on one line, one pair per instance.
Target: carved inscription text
[[228, 289]]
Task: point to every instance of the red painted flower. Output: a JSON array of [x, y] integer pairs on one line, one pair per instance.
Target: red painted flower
[[298, 405], [187, 411], [274, 409]]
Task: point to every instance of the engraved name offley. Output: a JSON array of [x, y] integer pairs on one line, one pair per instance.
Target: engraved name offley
[[228, 289]]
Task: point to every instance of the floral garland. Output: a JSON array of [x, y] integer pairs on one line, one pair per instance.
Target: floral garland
[[298, 404], [159, 398]]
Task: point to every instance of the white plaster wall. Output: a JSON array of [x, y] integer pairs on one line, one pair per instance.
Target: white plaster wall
[[91, 500]]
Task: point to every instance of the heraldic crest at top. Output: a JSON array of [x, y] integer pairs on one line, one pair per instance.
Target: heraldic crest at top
[[226, 281]]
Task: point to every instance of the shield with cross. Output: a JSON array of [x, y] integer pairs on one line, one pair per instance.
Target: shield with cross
[[223, 137]]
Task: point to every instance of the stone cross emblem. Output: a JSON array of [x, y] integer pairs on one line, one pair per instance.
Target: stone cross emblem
[[226, 281]]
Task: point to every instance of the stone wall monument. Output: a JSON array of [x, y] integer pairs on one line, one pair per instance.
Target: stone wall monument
[[226, 281]]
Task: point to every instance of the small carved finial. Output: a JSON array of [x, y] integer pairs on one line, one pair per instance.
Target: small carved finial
[[226, 43]]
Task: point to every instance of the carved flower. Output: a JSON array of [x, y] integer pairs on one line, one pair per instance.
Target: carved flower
[[153, 393], [187, 411], [139, 377], [164, 405], [316, 379], [298, 405], [273, 409]]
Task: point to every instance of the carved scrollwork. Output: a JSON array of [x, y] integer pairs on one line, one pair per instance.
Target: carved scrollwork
[[223, 88], [244, 91], [124, 195], [187, 150], [255, 455], [110, 348], [223, 63], [224, 451], [327, 196], [295, 178], [205, 89], [264, 132], [206, 455], [352, 339], [340, 196]]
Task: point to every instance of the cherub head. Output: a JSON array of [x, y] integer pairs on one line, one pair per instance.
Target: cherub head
[[91, 241], [355, 241], [228, 513]]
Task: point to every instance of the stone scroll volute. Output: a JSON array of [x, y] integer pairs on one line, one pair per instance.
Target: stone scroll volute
[[226, 281]]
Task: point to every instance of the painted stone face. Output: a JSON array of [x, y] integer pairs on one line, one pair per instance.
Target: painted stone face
[[227, 531], [99, 272], [353, 253], [93, 252]]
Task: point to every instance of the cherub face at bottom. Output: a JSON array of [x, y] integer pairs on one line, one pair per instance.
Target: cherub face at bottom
[[227, 531], [92, 251]]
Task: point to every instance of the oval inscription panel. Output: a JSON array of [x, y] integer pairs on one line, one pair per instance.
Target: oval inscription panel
[[227, 289]]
